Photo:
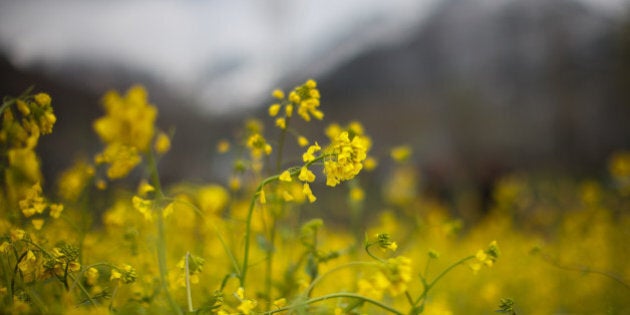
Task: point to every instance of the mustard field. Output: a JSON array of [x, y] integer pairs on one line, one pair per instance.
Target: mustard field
[[545, 245]]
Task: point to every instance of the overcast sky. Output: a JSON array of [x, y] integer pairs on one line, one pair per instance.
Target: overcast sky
[[230, 51]]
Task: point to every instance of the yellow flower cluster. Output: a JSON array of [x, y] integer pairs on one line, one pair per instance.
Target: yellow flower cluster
[[127, 129], [344, 158], [34, 204], [22, 121], [486, 257], [393, 277]]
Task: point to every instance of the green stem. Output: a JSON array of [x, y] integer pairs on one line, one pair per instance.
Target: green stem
[[188, 288], [250, 212], [248, 227], [428, 287], [161, 237], [335, 296]]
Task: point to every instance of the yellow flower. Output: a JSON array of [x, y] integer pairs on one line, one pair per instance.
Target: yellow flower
[[401, 154], [91, 276], [122, 159], [144, 188], [258, 145], [223, 146], [23, 107], [308, 193], [277, 93], [73, 181], [33, 203], [129, 120], [357, 194], [302, 141], [285, 176], [288, 110], [287, 196], [399, 273], [309, 155], [145, 207], [306, 175], [43, 99], [29, 263], [345, 158], [370, 163], [37, 223], [247, 305], [281, 123], [212, 198], [5, 247], [261, 197], [162, 143], [115, 275], [127, 274], [274, 109], [307, 98], [17, 234]]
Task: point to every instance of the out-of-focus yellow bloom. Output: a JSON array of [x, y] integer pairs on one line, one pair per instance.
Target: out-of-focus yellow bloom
[[43, 99], [33, 203], [274, 109], [281, 123], [258, 145], [91, 276], [357, 194], [401, 154], [121, 158], [128, 119], [144, 188], [25, 164], [37, 223], [144, 206], [308, 193], [277, 93], [288, 110], [247, 305], [370, 163], [73, 181], [162, 143], [212, 198], [399, 273], [286, 196], [486, 257], [17, 234], [302, 141], [234, 183], [126, 274], [28, 264], [223, 146], [127, 129]]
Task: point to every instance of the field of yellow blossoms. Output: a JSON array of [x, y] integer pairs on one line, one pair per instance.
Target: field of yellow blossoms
[[547, 245]]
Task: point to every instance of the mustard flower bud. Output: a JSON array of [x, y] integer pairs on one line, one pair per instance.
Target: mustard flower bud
[[162, 143], [274, 109]]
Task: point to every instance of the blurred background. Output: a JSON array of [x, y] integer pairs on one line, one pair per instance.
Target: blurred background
[[478, 88]]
